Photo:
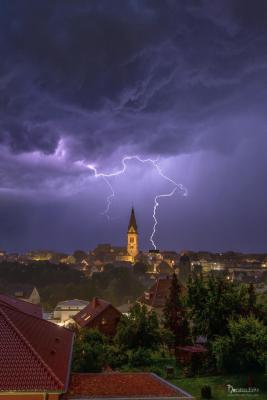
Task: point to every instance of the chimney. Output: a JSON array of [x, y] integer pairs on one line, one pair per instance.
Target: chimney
[[95, 302]]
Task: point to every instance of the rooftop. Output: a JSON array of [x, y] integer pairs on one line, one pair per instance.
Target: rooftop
[[156, 296], [72, 303], [91, 311], [24, 306], [122, 386], [35, 354]]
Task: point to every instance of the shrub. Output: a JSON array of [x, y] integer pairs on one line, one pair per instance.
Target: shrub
[[141, 357], [206, 392]]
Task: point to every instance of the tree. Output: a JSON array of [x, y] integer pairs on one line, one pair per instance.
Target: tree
[[139, 329], [175, 314], [89, 351], [212, 303], [184, 268], [139, 268], [80, 255], [252, 299], [244, 348]]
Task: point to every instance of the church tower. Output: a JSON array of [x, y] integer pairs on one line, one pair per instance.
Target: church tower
[[132, 236]]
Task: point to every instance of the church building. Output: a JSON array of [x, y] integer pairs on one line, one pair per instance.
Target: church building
[[108, 254], [132, 237]]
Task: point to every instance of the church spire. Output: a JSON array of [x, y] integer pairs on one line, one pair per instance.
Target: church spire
[[132, 222], [132, 237]]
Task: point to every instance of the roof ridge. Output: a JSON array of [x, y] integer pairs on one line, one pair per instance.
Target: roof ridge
[[29, 315], [17, 299], [32, 349]]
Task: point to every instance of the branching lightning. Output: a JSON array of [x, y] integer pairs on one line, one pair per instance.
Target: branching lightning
[[106, 176]]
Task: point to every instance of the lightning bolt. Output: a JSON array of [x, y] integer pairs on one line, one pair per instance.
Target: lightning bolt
[[154, 163]]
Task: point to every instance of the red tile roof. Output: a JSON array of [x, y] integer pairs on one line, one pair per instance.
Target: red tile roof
[[122, 385], [91, 311], [157, 294], [35, 355], [24, 306]]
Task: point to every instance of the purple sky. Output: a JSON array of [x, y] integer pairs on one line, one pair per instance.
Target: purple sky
[[87, 82]]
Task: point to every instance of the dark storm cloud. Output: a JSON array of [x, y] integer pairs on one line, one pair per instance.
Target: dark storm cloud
[[90, 81], [130, 74]]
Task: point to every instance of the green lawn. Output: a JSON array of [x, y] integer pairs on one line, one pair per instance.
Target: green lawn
[[219, 389]]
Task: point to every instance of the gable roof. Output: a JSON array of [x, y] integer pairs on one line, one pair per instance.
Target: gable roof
[[21, 290], [35, 354], [122, 386], [91, 311], [156, 296], [74, 303], [24, 306]]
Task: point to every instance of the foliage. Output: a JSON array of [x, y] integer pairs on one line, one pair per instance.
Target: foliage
[[244, 348], [184, 268], [175, 315], [218, 384], [206, 392], [138, 329], [60, 282], [140, 357], [39, 273], [139, 268], [213, 302], [89, 351]]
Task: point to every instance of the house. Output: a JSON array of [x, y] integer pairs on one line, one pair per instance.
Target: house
[[155, 297], [99, 314], [25, 292], [67, 309], [126, 386], [35, 356], [28, 308], [193, 355]]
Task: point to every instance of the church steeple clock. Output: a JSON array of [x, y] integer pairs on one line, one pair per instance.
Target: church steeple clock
[[132, 236]]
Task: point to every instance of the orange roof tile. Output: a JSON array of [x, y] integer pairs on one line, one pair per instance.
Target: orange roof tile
[[122, 385]]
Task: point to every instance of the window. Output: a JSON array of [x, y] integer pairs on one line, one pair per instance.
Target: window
[[131, 240]]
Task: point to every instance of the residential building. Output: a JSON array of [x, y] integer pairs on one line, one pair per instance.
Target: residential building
[[25, 292], [67, 309], [132, 237], [155, 297], [99, 314]]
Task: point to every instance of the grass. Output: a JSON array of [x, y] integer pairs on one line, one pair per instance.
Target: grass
[[218, 386]]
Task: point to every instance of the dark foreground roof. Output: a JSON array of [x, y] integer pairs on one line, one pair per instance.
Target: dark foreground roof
[[35, 355], [122, 386], [24, 306]]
